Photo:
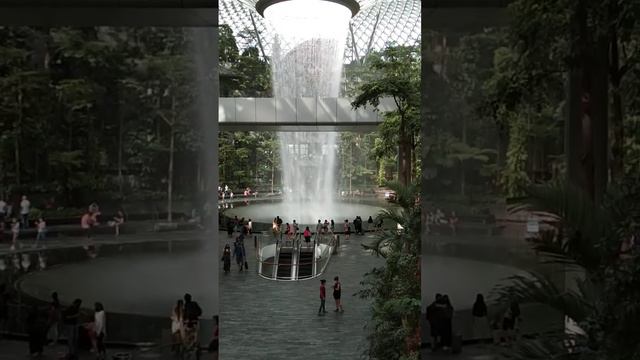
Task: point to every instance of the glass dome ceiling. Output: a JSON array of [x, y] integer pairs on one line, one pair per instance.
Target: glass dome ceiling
[[378, 23]]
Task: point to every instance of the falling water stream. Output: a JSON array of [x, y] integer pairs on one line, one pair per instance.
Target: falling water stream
[[307, 62]]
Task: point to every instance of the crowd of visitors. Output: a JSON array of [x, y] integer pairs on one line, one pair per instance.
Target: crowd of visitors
[[438, 217], [185, 327], [502, 329], [18, 221]]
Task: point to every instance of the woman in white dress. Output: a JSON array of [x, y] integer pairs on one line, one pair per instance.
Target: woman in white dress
[[176, 324], [100, 329]]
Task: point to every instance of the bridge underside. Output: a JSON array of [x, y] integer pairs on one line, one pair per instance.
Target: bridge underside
[[299, 114], [360, 128]]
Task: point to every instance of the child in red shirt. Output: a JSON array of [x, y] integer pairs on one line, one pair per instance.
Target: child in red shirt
[[323, 296]]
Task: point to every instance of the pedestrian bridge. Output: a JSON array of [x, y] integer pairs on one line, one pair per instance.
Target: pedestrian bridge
[[299, 114]]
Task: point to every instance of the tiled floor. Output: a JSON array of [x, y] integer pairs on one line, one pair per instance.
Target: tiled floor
[[264, 319]]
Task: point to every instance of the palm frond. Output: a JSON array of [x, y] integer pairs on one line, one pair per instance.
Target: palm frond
[[537, 288], [586, 222], [545, 347]]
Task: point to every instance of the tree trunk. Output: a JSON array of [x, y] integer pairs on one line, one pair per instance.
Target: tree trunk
[[16, 138], [587, 128], [600, 118], [350, 168], [171, 155], [170, 178], [617, 163], [120, 145], [273, 174], [404, 155]]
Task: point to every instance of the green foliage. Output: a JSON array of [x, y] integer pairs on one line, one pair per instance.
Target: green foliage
[[601, 294], [242, 74], [395, 287], [514, 177], [80, 100], [357, 165], [395, 74]]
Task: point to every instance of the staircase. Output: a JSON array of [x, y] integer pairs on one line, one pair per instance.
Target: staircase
[[305, 269], [284, 263]]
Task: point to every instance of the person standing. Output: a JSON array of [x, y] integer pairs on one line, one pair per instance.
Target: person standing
[[347, 229], [118, 220], [214, 345], [370, 223], [307, 236], [332, 227], [226, 258], [71, 318], [447, 323], [323, 297], [177, 319], [37, 332], [55, 316], [432, 318], [250, 227], [318, 228], [337, 294], [3, 216], [480, 318], [41, 225], [4, 309], [15, 232], [3, 209], [100, 330], [238, 253], [85, 224], [25, 209]]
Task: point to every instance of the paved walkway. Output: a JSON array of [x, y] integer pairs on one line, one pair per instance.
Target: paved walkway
[[266, 319], [469, 352], [19, 349]]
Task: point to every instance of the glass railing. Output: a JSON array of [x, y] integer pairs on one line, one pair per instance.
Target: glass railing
[[288, 258]]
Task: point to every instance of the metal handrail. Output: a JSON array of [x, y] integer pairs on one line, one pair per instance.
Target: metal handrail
[[317, 263]]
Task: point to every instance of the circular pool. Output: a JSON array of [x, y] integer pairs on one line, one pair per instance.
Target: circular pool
[[266, 212], [150, 284]]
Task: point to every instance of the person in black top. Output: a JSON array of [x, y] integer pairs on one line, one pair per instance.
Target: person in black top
[[370, 222], [480, 319], [70, 318], [36, 328], [192, 310], [432, 318], [337, 294], [445, 320], [4, 308], [55, 317], [226, 258]]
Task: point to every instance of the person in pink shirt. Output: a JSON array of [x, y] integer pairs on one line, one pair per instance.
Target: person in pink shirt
[[85, 223], [323, 297], [41, 225]]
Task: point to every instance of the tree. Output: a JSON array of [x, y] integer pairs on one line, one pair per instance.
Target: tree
[[595, 32], [591, 244], [397, 70], [395, 287]]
